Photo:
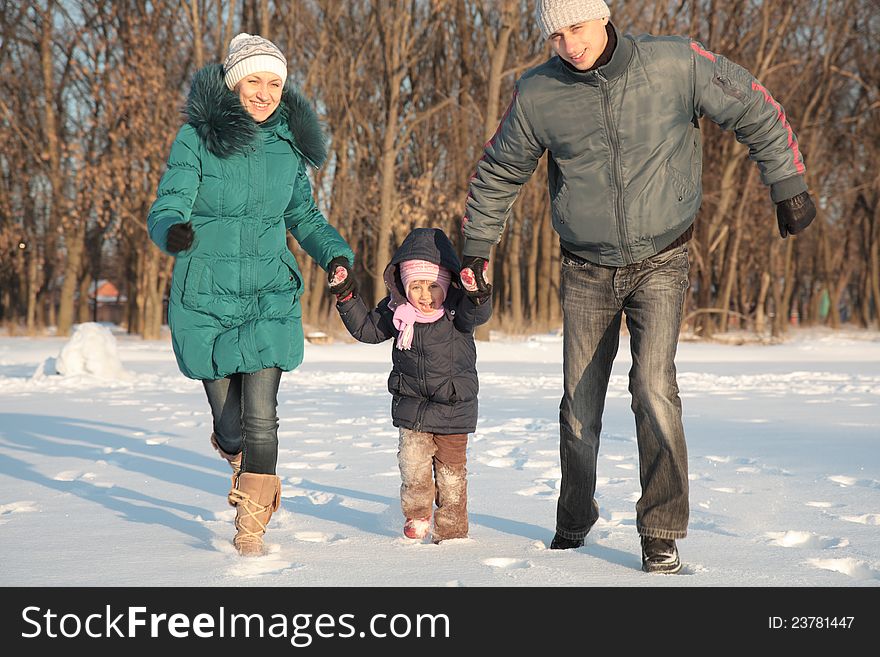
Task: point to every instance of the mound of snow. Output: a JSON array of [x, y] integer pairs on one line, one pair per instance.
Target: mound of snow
[[92, 351]]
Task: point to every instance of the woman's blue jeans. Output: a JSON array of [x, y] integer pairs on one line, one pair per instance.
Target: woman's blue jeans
[[245, 410], [594, 298]]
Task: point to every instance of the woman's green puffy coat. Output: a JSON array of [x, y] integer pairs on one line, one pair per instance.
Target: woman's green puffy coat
[[234, 303]]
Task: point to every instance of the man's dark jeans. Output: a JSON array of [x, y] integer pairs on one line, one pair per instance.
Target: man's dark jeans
[[651, 293]]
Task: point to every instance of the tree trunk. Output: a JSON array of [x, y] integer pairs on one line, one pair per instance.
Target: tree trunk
[[387, 170], [33, 288], [153, 283], [873, 287], [53, 154], [547, 299], [513, 279], [784, 296], [224, 28], [83, 307], [760, 308], [318, 291], [75, 239], [730, 267], [196, 25]]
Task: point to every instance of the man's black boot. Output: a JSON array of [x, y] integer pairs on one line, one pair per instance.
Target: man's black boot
[[659, 555], [562, 543]]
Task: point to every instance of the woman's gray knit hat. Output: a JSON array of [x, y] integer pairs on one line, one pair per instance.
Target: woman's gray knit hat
[[250, 53], [553, 15]]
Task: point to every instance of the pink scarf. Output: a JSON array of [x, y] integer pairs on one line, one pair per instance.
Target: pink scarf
[[405, 318]]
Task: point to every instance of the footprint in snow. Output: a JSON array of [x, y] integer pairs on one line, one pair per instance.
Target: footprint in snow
[[268, 564], [317, 455], [540, 490], [74, 475], [295, 465], [329, 466], [799, 539], [25, 506], [535, 465], [387, 473], [367, 506], [499, 452], [318, 498], [823, 505], [617, 518], [299, 465], [497, 462], [318, 537], [709, 525], [506, 563], [846, 481], [864, 519], [849, 566]]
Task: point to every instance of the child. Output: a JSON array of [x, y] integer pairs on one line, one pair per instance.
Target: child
[[433, 378]]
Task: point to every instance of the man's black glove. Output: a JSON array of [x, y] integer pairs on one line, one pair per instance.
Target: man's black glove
[[179, 238], [341, 278], [473, 278], [794, 214]]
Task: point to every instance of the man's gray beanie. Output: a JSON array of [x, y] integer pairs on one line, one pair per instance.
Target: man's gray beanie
[[553, 15]]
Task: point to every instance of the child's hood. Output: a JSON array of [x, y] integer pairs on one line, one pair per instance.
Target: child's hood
[[429, 244]]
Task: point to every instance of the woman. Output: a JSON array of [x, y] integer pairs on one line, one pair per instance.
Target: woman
[[236, 182]]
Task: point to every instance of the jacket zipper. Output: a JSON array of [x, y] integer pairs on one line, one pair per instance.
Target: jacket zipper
[[423, 388], [616, 171]]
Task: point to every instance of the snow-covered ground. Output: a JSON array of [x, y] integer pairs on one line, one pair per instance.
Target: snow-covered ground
[[112, 482]]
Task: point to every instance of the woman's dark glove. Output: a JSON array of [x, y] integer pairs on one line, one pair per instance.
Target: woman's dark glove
[[179, 238]]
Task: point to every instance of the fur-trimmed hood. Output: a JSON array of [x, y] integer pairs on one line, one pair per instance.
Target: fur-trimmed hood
[[225, 127]]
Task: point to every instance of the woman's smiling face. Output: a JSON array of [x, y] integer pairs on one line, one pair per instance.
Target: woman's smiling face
[[260, 93]]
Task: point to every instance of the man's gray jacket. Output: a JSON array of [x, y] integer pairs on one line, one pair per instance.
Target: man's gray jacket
[[625, 154]]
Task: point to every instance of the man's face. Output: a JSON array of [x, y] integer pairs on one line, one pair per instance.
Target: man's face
[[581, 44]]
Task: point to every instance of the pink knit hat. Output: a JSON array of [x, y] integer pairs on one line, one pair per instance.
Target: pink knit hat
[[422, 270]]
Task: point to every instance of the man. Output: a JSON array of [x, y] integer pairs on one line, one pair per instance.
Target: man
[[619, 118]]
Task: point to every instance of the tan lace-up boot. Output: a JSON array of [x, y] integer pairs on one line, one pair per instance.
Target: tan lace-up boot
[[234, 460], [255, 497]]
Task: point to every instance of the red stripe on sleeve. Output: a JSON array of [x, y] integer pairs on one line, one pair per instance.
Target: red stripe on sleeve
[[702, 52], [792, 143]]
